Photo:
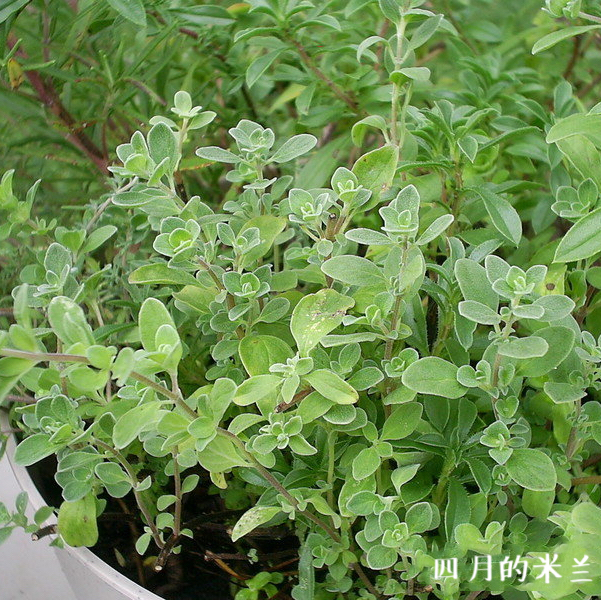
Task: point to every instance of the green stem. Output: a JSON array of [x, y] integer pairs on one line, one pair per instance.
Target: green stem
[[572, 444], [156, 536], [441, 487], [276, 484], [396, 88], [332, 436], [590, 17], [75, 358]]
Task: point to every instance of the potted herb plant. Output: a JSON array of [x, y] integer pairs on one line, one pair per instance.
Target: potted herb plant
[[387, 378]]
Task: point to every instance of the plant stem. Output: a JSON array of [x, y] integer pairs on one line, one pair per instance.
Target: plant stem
[[396, 88], [590, 17], [572, 444], [591, 479], [134, 481], [177, 517], [75, 358], [336, 89], [332, 436], [49, 97], [276, 484], [229, 298]]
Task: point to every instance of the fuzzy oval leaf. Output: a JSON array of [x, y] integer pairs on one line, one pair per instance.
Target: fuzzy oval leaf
[[532, 469], [353, 270], [332, 387], [582, 240], [560, 341], [259, 352], [77, 522], [253, 518], [375, 171], [161, 274], [402, 422], [528, 347], [294, 147], [153, 315], [316, 315], [433, 375], [503, 216]]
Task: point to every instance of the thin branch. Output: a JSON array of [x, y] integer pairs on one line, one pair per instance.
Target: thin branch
[[336, 89], [156, 536], [591, 479], [49, 97]]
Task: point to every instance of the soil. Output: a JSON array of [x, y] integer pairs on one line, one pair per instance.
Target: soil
[[209, 567]]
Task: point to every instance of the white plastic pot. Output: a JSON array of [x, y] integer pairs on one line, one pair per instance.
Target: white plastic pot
[[31, 570]]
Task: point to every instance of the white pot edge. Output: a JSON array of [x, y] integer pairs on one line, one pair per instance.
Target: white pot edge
[[98, 568]]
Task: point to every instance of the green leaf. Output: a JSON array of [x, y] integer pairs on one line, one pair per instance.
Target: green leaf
[[98, 237], [503, 216], [577, 124], [532, 469], [360, 127], [163, 145], [584, 155], [133, 10], [153, 315], [10, 7], [77, 522], [419, 517], [563, 392], [458, 509], [478, 312], [375, 171], [316, 315], [332, 387], [294, 147], [259, 352], [435, 229], [400, 76], [474, 283], [133, 422], [366, 463], [258, 66], [353, 270], [433, 375], [560, 341], [549, 40], [161, 274], [269, 227], [69, 322], [33, 449], [380, 557], [217, 154], [587, 517], [369, 237], [253, 518], [256, 388], [582, 240], [402, 422], [200, 16], [529, 347], [537, 504], [424, 32], [221, 455]]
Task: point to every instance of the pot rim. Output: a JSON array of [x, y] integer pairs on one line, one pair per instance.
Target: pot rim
[[86, 557]]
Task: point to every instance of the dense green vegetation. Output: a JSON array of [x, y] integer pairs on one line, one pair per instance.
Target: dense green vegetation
[[334, 267]]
